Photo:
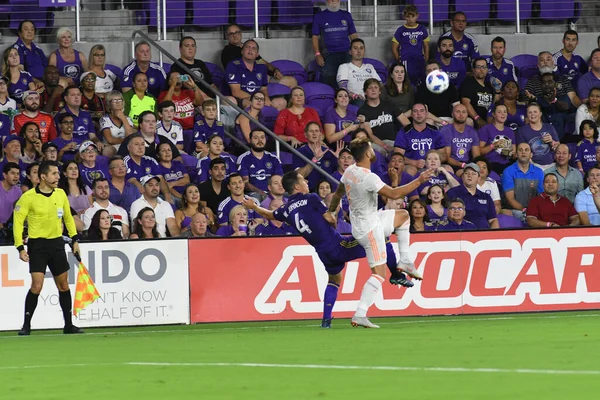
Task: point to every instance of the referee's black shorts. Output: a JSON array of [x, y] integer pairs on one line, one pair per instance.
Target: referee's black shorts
[[47, 253]]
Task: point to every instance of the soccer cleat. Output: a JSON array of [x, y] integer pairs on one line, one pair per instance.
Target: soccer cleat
[[326, 323], [398, 278], [364, 322], [410, 270], [71, 329], [25, 330]]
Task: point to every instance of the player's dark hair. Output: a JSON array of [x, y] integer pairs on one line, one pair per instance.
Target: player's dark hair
[[45, 167], [8, 166], [570, 32], [289, 180], [359, 147], [217, 161], [165, 104], [96, 181]]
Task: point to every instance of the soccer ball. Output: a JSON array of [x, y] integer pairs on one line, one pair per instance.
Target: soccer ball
[[437, 81]]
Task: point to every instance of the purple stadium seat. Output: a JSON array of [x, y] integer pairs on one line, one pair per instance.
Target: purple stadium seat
[[19, 10], [508, 221], [475, 10], [291, 68], [526, 65], [176, 13], [294, 12], [379, 67], [314, 71], [167, 67], [115, 70], [244, 12], [440, 10], [210, 13], [277, 89], [319, 96], [507, 13], [269, 116], [218, 76], [554, 10]]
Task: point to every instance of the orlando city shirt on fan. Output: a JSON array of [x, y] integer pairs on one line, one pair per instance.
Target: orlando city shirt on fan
[[259, 170], [147, 166], [334, 29], [416, 144], [249, 81]]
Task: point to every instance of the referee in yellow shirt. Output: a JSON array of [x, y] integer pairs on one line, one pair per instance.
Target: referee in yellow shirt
[[45, 208]]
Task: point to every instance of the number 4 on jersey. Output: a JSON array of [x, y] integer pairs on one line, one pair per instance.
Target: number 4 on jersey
[[300, 225]]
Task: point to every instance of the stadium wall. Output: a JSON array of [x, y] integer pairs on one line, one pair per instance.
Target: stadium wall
[[250, 279], [300, 49]]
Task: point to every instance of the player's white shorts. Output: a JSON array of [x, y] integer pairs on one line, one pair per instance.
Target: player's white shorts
[[374, 240]]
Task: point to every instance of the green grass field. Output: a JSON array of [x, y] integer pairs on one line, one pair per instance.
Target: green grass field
[[529, 356]]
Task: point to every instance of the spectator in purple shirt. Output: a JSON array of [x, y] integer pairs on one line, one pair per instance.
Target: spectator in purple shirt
[[32, 57], [92, 165], [516, 111], [9, 191], [341, 119], [456, 217], [173, 171], [156, 75], [567, 62], [319, 154], [245, 76], [84, 128], [66, 143], [257, 165], [465, 45], [462, 139], [276, 191], [541, 137], [586, 148], [451, 65], [19, 81], [444, 177], [419, 219], [497, 142], [332, 31], [436, 200], [590, 79], [236, 187], [394, 177], [500, 69], [237, 223]]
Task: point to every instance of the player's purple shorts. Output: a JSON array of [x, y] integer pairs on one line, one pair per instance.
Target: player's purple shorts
[[348, 250]]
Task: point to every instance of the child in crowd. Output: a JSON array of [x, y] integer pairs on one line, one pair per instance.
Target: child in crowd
[[586, 148], [410, 45], [167, 127], [205, 126]]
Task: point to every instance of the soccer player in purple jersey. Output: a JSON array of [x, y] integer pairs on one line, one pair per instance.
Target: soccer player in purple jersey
[[410, 45], [306, 212]]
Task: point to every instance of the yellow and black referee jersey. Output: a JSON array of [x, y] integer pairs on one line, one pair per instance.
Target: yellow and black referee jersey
[[45, 213]]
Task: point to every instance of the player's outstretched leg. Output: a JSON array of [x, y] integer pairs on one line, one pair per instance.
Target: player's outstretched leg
[[66, 301], [402, 230], [397, 277], [329, 299]]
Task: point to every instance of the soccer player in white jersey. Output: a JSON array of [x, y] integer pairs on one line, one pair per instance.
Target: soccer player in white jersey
[[370, 227]]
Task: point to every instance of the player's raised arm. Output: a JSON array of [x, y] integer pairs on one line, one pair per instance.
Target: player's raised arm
[[250, 204], [402, 191]]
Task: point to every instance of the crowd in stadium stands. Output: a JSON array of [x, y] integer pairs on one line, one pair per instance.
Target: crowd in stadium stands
[[144, 154]]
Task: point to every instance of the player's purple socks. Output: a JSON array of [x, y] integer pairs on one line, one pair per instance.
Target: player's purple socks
[[64, 298], [330, 296], [31, 301]]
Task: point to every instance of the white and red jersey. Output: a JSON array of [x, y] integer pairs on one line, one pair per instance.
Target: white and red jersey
[[361, 189]]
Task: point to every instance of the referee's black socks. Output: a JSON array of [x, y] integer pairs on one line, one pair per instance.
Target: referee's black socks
[[65, 301], [31, 301]]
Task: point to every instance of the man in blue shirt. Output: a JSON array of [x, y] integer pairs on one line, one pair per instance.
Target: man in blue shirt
[[156, 75], [465, 45], [305, 211], [479, 206], [456, 218], [500, 69], [257, 165], [522, 181], [587, 202], [245, 76], [332, 31], [451, 65]]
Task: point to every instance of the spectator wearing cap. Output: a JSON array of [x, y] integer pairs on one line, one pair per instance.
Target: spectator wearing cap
[[257, 165], [236, 187], [155, 74], [185, 94], [9, 191], [587, 202], [115, 126], [66, 142], [92, 165], [479, 206], [152, 139], [32, 57], [51, 99], [31, 113], [100, 192], [11, 152], [70, 62], [19, 81], [213, 191], [332, 31], [456, 218], [198, 227], [32, 149], [84, 128], [90, 101], [7, 105], [122, 192], [522, 181], [165, 219], [549, 209], [50, 151], [106, 80]]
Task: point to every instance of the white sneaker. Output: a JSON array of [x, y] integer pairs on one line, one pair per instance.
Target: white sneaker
[[410, 270], [364, 322]]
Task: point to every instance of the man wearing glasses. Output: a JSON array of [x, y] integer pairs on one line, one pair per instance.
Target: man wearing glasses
[[477, 93], [465, 45], [456, 218]]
